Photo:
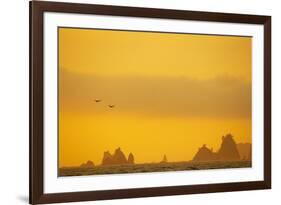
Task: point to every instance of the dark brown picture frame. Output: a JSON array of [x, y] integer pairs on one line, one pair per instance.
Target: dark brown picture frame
[[37, 8]]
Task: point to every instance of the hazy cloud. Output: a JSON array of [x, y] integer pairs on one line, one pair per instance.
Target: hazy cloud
[[160, 96]]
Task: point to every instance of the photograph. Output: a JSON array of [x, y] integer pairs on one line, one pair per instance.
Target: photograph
[[144, 101], [123, 102], [129, 102]]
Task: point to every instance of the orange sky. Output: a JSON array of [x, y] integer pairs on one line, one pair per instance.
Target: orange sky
[[173, 93]]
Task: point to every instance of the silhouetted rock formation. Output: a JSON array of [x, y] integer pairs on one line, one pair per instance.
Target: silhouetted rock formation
[[205, 154], [164, 160], [228, 150], [244, 150], [131, 159], [117, 158], [250, 154], [88, 164], [107, 158]]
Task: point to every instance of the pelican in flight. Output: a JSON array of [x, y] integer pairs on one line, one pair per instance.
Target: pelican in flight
[[111, 106], [97, 100]]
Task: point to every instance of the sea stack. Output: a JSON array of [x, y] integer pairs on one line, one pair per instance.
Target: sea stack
[[205, 154], [164, 160], [88, 164], [118, 158], [228, 150], [107, 158], [244, 150], [250, 154], [131, 159]]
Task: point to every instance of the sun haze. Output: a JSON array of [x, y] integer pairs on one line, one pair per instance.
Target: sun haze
[[152, 94]]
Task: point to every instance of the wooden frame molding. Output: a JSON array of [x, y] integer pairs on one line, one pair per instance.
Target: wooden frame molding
[[37, 8]]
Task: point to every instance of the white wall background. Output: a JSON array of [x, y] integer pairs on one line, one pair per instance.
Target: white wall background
[[14, 101]]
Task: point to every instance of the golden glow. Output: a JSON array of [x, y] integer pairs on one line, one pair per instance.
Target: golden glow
[[173, 93]]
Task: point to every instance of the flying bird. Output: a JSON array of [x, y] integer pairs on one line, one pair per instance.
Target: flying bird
[[111, 106], [97, 100]]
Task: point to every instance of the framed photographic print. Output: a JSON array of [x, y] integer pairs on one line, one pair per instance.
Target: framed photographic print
[[138, 102]]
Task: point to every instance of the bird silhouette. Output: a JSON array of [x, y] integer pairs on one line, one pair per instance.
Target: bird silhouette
[[111, 106], [97, 100]]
